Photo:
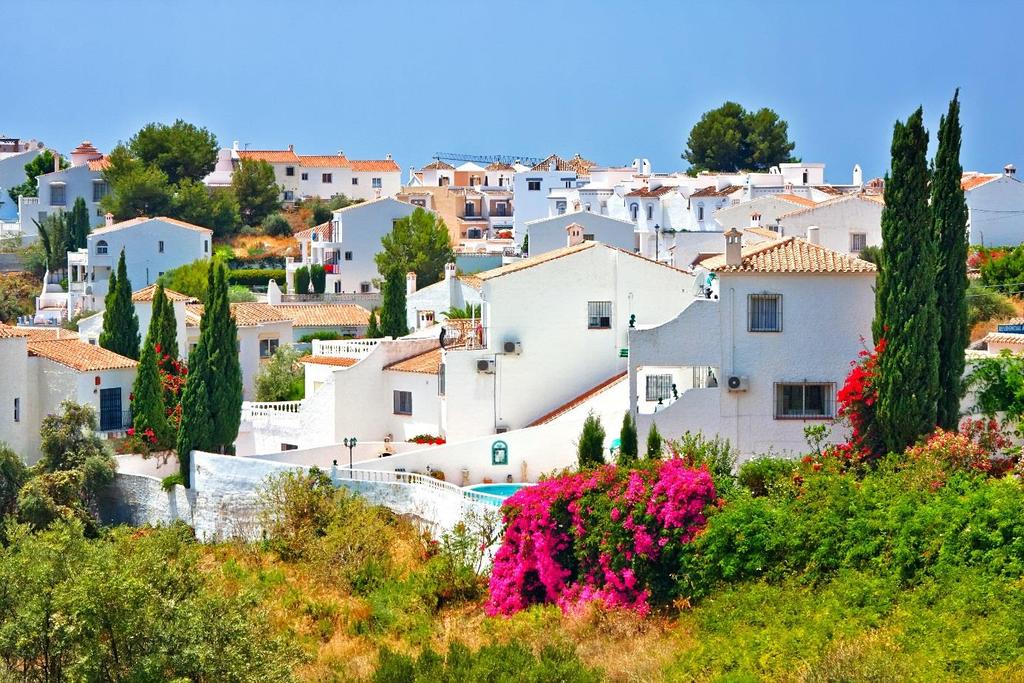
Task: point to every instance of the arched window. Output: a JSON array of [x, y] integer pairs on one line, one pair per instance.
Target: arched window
[[650, 212], [101, 247], [634, 208]]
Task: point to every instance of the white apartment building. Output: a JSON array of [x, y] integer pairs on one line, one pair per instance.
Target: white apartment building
[[531, 188], [995, 207], [327, 175], [767, 207], [14, 155], [764, 355], [89, 328], [43, 368], [346, 245], [59, 189], [151, 247]]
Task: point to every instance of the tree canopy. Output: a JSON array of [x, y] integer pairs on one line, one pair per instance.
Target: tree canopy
[[182, 151], [419, 243], [256, 190], [730, 138]]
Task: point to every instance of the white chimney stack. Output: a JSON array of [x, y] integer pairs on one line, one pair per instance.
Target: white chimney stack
[[410, 283], [755, 220], [1010, 170], [108, 218], [449, 271], [858, 176], [733, 248], [814, 234]]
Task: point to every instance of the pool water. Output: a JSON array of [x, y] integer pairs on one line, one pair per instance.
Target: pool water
[[501, 490]]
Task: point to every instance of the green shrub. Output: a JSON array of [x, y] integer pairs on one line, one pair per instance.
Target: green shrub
[[277, 225], [240, 294], [256, 277], [512, 662], [302, 280], [170, 481], [318, 278], [760, 475], [322, 335], [282, 377]]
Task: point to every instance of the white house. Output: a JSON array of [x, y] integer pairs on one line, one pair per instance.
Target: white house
[[43, 368], [14, 155], [261, 330], [532, 187], [59, 189], [767, 207], [426, 307], [327, 175], [846, 223], [995, 207], [151, 247], [346, 245], [764, 356], [548, 234]]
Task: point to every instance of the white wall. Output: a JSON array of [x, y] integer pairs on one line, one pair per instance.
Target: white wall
[[996, 212], [548, 234], [738, 215], [78, 181], [249, 338], [20, 436], [361, 228], [12, 174], [533, 204], [837, 221]]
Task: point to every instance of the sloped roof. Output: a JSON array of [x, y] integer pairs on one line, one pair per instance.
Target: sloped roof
[[324, 315], [577, 164], [246, 314], [382, 165], [100, 164], [794, 199], [147, 293], [79, 355], [832, 201], [498, 166], [322, 231], [1004, 338], [791, 255], [764, 232], [971, 179], [579, 400], [273, 156], [439, 165], [656, 192], [710, 191], [11, 332], [427, 363], [828, 189], [329, 360], [535, 260], [323, 161], [131, 223]]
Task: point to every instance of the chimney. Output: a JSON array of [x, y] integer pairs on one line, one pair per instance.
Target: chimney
[[291, 148], [814, 234], [858, 176], [273, 293], [1010, 170], [755, 220], [108, 219], [449, 271], [733, 248], [388, 156], [410, 283], [574, 233], [234, 145], [56, 160]]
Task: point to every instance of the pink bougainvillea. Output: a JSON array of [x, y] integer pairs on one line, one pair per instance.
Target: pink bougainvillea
[[608, 534]]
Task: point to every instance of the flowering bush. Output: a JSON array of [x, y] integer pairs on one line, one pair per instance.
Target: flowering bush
[[173, 374], [856, 402], [979, 447], [428, 439], [608, 534]]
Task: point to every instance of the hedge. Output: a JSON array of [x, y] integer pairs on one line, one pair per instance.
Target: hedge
[[250, 262], [256, 277]]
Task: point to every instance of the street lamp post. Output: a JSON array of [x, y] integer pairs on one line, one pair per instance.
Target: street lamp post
[[657, 230], [350, 442]]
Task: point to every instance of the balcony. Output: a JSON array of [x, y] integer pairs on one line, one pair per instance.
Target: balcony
[[344, 348], [463, 335]]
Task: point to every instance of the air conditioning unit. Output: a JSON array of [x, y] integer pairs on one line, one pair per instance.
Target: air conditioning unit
[[485, 366], [513, 347], [738, 383]]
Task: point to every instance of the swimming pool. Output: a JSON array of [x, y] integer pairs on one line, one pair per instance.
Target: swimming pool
[[503, 491]]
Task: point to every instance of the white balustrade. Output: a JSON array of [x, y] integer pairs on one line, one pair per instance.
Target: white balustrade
[[344, 348], [443, 488]]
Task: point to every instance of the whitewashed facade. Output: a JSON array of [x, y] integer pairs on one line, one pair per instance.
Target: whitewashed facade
[[995, 207]]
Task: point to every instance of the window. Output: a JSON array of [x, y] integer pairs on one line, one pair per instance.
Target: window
[[99, 190], [765, 313], [805, 177], [289, 171], [289, 195], [650, 212], [206, 246], [160, 246], [560, 207], [419, 202], [568, 182], [17, 410], [337, 286], [355, 181], [804, 400], [604, 208], [599, 315], [634, 210], [533, 184], [267, 347], [289, 447], [375, 183], [327, 177], [364, 287], [700, 212], [501, 209], [57, 194], [588, 237], [101, 247], [470, 209], [403, 402], [348, 255], [659, 387], [474, 234], [858, 242]]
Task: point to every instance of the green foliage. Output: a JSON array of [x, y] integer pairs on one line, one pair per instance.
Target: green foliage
[[16, 297], [998, 386], [181, 151], [392, 308], [78, 225], [1004, 273], [372, 329], [525, 248], [277, 225], [149, 412], [762, 475], [54, 236], [318, 278], [43, 163], [511, 662], [190, 279], [136, 189], [216, 209], [320, 212], [281, 378], [984, 304], [301, 280], [256, 277], [628, 446], [256, 190], [171, 480], [654, 443], [467, 312], [949, 226], [731, 138], [590, 447], [419, 243], [871, 254], [323, 335], [906, 313], [239, 294], [120, 332], [340, 201], [13, 474]]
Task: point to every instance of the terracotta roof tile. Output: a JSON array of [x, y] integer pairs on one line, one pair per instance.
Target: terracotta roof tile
[[534, 261], [764, 232], [323, 161], [79, 355], [323, 232], [828, 189], [147, 294], [796, 199], [143, 219], [273, 156], [439, 165], [1004, 338], [11, 332], [876, 199], [710, 191], [471, 281], [100, 164], [791, 255], [382, 165], [656, 192], [428, 363], [246, 314], [324, 315], [498, 166], [969, 181], [329, 360], [577, 164], [579, 400]]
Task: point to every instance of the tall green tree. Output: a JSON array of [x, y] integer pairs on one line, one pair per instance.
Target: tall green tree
[[372, 328], [949, 225], [78, 225], [590, 447], [136, 189], [149, 412], [256, 190], [196, 429], [43, 163], [318, 278], [120, 332], [55, 240], [194, 203], [730, 138], [628, 447], [392, 307], [906, 313], [182, 151], [654, 443], [166, 333], [419, 243]]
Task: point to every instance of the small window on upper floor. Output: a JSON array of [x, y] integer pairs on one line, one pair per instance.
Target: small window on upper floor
[[650, 212], [17, 409], [375, 183], [364, 287], [305, 176], [659, 387], [599, 315], [268, 347], [355, 181], [533, 184], [634, 210], [858, 242], [101, 247], [99, 190], [327, 178], [206, 246], [348, 255], [764, 313], [160, 246], [289, 170], [403, 402], [58, 194], [805, 177], [588, 237], [700, 212]]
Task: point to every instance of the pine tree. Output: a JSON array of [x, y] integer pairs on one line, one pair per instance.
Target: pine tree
[[590, 448], [906, 315], [949, 225], [78, 225], [392, 307], [372, 329], [628, 447], [653, 443], [225, 381], [148, 408], [120, 332]]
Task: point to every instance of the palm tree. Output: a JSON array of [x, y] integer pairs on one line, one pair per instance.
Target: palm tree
[[467, 312]]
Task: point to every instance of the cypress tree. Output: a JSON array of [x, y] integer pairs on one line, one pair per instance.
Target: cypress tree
[[301, 280], [167, 333], [196, 429], [906, 314], [590, 448], [148, 408], [628, 447], [224, 383], [653, 443], [78, 225], [372, 329], [120, 332], [392, 307], [949, 225]]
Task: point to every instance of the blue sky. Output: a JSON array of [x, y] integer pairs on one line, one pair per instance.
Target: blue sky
[[610, 80]]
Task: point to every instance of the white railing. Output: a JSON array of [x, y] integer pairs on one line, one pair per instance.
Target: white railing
[[344, 348], [252, 409], [340, 475]]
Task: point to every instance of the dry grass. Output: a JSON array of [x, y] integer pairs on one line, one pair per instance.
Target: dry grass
[[981, 329]]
